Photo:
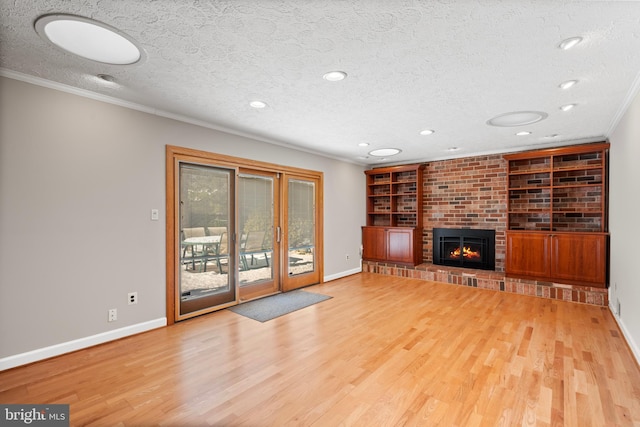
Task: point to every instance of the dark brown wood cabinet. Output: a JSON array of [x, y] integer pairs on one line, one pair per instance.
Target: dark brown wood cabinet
[[573, 258], [394, 215], [557, 222], [400, 245]]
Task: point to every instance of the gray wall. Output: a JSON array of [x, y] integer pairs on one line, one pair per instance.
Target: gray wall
[[624, 223], [78, 178]]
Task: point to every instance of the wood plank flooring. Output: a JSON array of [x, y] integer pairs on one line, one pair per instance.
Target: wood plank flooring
[[384, 351]]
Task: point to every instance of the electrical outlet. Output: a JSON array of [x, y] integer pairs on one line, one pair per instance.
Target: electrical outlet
[[132, 298], [113, 314]]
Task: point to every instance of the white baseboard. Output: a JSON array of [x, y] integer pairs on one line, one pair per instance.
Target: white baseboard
[[627, 336], [342, 274], [67, 347]]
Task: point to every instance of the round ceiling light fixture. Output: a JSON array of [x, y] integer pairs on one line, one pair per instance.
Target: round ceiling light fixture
[[89, 39], [523, 133], [335, 76], [258, 104], [569, 43], [384, 152], [567, 84], [427, 132], [517, 118]]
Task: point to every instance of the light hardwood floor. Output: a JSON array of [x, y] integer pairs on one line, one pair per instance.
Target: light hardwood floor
[[384, 351]]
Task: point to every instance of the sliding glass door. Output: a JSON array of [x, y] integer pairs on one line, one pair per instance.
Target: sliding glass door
[[302, 233], [258, 220], [238, 230], [206, 267]]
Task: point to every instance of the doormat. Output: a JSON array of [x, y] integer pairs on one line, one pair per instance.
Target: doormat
[[268, 308]]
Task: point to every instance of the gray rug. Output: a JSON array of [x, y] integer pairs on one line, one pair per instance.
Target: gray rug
[[268, 308]]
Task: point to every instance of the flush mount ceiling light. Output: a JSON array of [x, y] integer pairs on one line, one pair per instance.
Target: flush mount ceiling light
[[553, 135], [382, 152], [517, 118], [567, 84], [258, 104], [335, 76], [567, 107], [89, 39], [453, 149], [523, 133], [427, 132], [569, 43], [363, 144]]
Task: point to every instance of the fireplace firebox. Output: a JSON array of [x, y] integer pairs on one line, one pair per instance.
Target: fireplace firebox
[[465, 248]]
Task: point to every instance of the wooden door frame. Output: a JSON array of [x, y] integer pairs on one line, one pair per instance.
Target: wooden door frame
[[173, 154]]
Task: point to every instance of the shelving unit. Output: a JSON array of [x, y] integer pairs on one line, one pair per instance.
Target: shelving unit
[[394, 214], [558, 190], [557, 214]]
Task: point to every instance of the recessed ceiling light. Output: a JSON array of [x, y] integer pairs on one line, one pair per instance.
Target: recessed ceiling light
[[569, 43], [382, 152], [517, 118], [523, 133], [567, 107], [363, 144], [335, 76], [257, 104], [89, 39], [427, 132], [567, 84], [553, 135], [453, 149]]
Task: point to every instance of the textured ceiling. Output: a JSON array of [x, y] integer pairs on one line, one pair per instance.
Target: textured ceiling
[[412, 65]]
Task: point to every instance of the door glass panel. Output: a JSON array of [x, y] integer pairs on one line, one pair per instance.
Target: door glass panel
[[255, 210], [205, 269], [301, 226]]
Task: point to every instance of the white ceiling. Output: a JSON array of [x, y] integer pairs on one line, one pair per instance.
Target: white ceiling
[[444, 65]]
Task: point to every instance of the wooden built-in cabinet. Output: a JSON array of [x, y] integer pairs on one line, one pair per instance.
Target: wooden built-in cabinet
[[394, 215], [557, 215], [399, 245], [575, 258]]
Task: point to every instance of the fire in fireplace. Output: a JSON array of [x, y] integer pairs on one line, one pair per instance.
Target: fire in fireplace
[[464, 248]]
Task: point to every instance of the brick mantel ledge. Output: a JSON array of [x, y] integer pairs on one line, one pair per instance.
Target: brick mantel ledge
[[493, 280]]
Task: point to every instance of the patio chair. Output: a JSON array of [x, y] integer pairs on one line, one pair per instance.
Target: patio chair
[[221, 255], [253, 244]]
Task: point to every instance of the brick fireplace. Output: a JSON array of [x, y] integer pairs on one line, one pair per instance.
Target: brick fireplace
[[470, 193], [466, 193]]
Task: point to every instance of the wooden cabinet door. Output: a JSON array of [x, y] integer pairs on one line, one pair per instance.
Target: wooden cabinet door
[[528, 254], [579, 257], [374, 243], [400, 245]]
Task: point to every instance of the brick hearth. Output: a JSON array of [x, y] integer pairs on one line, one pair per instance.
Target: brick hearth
[[492, 280]]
